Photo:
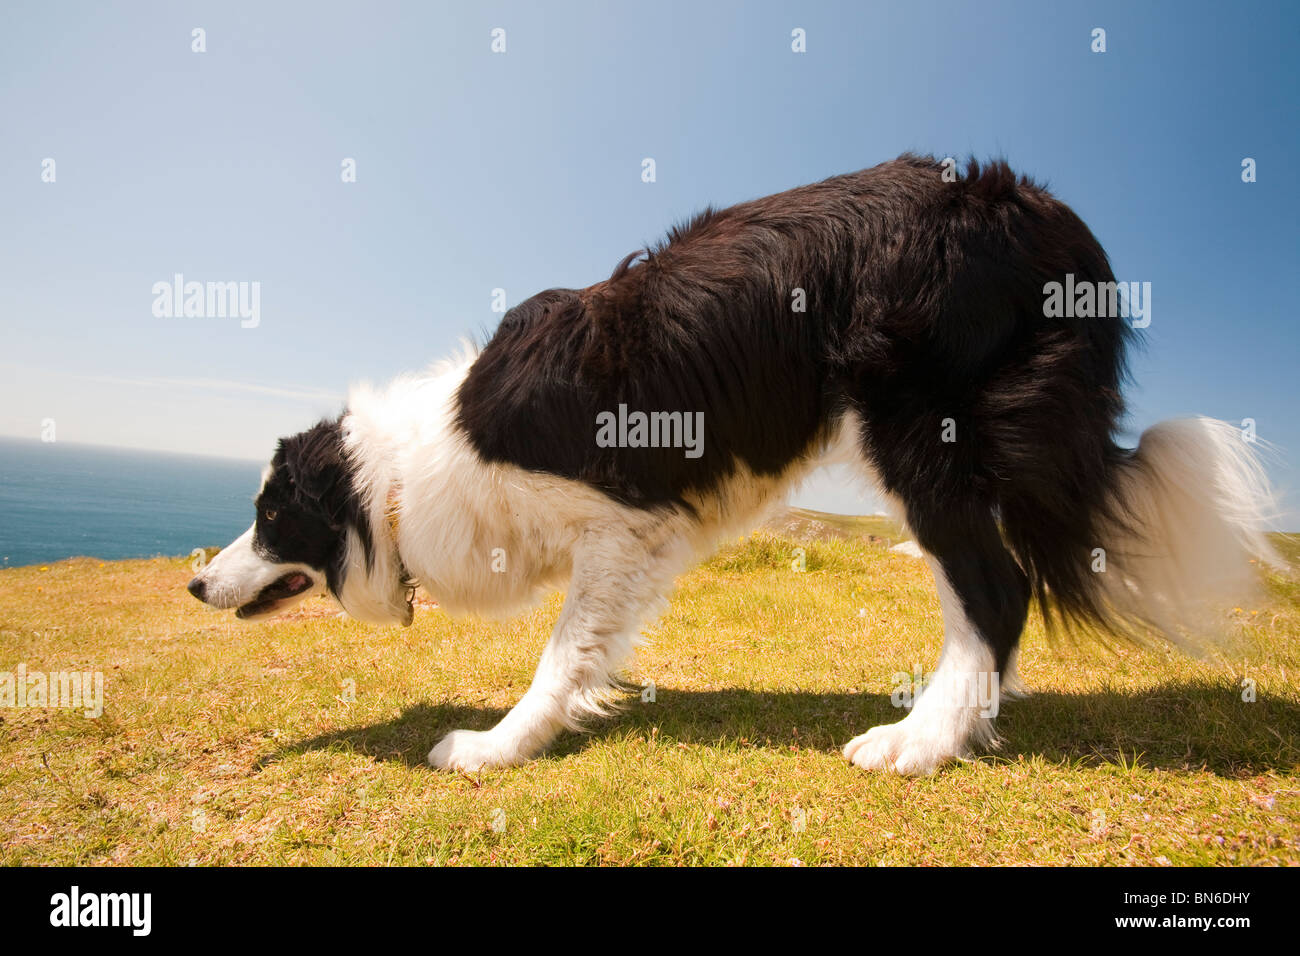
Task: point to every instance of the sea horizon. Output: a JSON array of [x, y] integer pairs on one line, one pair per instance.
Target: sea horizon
[[62, 500]]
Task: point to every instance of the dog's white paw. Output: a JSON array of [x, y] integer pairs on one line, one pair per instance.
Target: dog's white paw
[[903, 749], [470, 750]]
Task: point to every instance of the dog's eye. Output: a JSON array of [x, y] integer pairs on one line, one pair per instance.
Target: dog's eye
[[270, 515]]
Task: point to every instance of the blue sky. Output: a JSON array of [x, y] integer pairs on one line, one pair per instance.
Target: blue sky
[[522, 171]]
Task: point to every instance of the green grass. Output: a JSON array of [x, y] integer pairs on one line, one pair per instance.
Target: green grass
[[227, 743]]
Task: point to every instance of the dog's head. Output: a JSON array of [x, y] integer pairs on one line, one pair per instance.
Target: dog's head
[[311, 535]]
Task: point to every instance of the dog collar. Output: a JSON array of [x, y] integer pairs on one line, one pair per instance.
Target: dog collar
[[392, 518], [392, 515]]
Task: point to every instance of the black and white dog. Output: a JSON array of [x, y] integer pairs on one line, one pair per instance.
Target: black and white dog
[[607, 437]]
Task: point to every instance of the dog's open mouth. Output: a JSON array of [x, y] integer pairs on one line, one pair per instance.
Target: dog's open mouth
[[275, 593]]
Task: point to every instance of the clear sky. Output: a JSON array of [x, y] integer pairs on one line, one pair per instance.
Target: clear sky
[[522, 170]]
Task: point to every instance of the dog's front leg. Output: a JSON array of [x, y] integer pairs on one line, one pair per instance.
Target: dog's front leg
[[617, 582]]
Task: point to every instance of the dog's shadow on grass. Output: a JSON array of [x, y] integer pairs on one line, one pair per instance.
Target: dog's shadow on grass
[[1184, 726]]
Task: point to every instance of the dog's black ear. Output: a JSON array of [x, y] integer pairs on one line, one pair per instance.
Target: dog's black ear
[[319, 470]]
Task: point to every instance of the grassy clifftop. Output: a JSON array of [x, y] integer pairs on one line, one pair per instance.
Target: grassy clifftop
[[303, 740]]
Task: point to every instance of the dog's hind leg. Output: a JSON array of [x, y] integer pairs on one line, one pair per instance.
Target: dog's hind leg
[[984, 596], [620, 580]]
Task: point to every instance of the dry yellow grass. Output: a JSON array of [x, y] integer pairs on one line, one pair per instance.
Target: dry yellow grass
[[303, 740]]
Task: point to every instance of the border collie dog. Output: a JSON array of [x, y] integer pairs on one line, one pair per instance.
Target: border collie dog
[[606, 438]]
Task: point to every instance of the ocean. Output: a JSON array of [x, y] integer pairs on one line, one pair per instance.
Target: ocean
[[60, 500]]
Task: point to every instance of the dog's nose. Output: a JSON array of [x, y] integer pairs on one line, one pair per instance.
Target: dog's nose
[[197, 587]]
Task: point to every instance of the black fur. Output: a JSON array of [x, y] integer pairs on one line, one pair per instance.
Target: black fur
[[308, 503], [924, 303]]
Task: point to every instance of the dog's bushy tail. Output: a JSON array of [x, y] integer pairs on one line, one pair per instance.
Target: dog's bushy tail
[[1175, 534]]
